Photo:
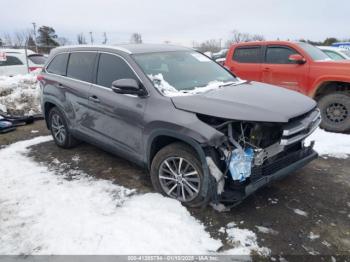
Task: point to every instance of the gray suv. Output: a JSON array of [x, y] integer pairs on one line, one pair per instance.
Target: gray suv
[[203, 134]]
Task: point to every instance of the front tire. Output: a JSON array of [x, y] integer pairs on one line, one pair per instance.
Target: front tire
[[176, 172], [59, 129], [335, 111]]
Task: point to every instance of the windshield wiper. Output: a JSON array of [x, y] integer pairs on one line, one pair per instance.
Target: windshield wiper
[[232, 83]]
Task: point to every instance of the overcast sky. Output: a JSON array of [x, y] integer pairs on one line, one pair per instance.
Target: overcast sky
[[180, 21]]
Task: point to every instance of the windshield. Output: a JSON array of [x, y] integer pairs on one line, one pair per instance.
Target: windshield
[[315, 53], [183, 71]]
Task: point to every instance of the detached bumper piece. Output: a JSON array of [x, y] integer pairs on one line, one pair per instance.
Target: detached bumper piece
[[267, 173]]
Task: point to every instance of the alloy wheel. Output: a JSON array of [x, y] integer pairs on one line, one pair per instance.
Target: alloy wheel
[[179, 179], [58, 129]]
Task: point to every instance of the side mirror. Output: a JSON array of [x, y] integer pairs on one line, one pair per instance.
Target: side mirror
[[298, 59], [128, 86]]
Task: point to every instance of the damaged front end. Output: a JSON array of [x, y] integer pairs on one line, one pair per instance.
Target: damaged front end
[[254, 154]]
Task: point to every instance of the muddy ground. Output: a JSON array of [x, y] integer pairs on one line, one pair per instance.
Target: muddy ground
[[321, 190]]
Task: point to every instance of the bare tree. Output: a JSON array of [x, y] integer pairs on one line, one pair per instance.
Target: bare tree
[[81, 39], [8, 39], [211, 45], [19, 39], [238, 37], [136, 38]]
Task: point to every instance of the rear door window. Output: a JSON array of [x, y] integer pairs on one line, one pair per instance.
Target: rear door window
[[111, 68], [80, 65], [58, 65], [249, 54], [279, 55], [11, 61]]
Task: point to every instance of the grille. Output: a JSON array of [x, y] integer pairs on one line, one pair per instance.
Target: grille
[[300, 127]]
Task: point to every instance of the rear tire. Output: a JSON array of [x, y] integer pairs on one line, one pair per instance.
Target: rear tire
[[176, 172], [335, 111], [59, 129]]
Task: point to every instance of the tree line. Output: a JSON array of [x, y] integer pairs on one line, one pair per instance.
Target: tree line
[[45, 38]]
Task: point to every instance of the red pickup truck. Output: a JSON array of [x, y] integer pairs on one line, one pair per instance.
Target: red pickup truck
[[300, 67]]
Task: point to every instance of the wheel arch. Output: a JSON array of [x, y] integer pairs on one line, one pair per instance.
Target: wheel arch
[[161, 138], [47, 106], [328, 86]]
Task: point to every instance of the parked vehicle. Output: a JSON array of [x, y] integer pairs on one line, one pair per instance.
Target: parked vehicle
[[344, 45], [336, 53], [14, 61], [300, 67], [202, 133], [220, 56]]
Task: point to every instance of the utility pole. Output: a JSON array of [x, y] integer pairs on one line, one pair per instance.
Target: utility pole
[[91, 38], [105, 39], [34, 28]]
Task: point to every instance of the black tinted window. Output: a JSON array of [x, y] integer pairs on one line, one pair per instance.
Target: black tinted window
[[279, 55], [112, 68], [80, 65], [248, 54], [10, 61], [58, 65], [37, 59]]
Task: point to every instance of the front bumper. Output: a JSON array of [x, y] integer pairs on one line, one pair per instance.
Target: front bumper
[[268, 173]]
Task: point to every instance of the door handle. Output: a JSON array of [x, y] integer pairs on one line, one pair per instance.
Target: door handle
[[94, 99], [59, 85], [266, 69]]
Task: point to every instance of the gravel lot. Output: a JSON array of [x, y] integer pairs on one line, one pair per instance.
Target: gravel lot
[[307, 213]]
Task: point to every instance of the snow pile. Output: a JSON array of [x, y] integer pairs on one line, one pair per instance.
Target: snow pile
[[244, 241], [330, 144], [20, 95], [44, 213], [168, 90]]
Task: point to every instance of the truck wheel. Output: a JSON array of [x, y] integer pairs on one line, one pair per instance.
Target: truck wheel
[[335, 111], [59, 129], [176, 172]]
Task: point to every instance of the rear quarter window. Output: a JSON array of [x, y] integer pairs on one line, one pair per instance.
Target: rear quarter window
[[249, 54], [58, 65], [80, 65]]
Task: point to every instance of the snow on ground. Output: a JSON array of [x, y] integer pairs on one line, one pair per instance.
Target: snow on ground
[[20, 94], [42, 212], [244, 241], [300, 212], [266, 230], [331, 144]]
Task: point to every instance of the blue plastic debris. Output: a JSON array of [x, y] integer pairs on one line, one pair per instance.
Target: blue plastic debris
[[241, 164]]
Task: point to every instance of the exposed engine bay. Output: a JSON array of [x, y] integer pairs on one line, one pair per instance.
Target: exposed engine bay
[[254, 150]]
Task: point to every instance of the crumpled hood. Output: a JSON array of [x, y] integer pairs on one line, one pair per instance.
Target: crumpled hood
[[251, 101]]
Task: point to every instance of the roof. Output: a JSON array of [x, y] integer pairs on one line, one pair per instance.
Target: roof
[[17, 51], [128, 48], [274, 42], [331, 48]]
